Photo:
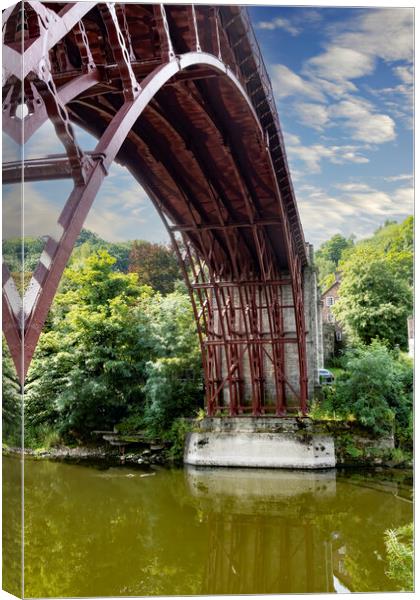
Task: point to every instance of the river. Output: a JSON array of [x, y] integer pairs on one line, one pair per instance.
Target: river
[[121, 531]]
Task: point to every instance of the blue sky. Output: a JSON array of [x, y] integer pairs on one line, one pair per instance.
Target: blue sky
[[343, 83]]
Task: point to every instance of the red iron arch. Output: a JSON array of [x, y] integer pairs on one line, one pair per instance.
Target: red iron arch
[[228, 214]]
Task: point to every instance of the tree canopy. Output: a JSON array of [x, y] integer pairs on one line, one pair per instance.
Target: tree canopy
[[106, 332], [155, 264], [328, 256], [376, 277]]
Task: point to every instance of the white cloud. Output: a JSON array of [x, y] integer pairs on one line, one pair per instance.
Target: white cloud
[[40, 213], [404, 197], [311, 16], [119, 206], [353, 187], [360, 117], [279, 23], [387, 33], [364, 124], [377, 202], [352, 52], [288, 83], [340, 64], [357, 209], [403, 177], [312, 115], [313, 155], [405, 73]]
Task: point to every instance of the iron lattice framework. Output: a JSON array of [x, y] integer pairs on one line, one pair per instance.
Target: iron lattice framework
[[180, 96]]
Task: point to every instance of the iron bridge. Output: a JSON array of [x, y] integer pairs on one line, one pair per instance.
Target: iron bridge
[[179, 95]]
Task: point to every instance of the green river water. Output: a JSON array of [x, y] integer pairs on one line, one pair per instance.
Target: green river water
[[122, 531]]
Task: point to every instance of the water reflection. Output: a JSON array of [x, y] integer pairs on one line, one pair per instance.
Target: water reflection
[[130, 532], [11, 477], [12, 526], [261, 539], [298, 531]]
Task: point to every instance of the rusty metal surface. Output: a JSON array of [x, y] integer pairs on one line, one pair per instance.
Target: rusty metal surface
[[180, 95]]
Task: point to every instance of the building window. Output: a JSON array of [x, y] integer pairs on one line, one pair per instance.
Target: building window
[[330, 318], [338, 336], [330, 300]]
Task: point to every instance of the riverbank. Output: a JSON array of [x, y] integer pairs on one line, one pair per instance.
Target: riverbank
[[107, 454], [348, 455]]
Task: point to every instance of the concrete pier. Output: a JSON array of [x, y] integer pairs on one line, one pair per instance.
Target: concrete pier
[[269, 442]]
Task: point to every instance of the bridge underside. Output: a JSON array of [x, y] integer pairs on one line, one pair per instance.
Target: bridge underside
[[179, 96]]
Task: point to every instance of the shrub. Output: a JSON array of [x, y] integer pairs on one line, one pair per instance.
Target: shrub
[[174, 389], [176, 437], [399, 546], [376, 389], [11, 400]]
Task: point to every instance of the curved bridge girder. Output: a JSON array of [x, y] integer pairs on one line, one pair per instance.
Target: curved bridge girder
[[192, 133]]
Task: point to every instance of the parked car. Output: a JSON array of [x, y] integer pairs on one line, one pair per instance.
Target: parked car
[[325, 377]]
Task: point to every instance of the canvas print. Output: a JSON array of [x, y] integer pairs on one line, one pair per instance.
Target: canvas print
[[208, 330]]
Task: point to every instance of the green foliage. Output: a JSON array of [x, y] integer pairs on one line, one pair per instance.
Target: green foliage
[[115, 353], [91, 366], [399, 545], [133, 422], [11, 400], [14, 252], [88, 243], [376, 389], [376, 282], [174, 388], [374, 300], [155, 264], [174, 384], [396, 243], [176, 436], [44, 437], [328, 256]]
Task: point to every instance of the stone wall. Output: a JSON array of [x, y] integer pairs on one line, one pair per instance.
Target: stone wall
[[314, 346], [313, 322]]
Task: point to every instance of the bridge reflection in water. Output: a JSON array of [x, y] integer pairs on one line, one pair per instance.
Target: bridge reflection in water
[[294, 531], [128, 532], [260, 541]]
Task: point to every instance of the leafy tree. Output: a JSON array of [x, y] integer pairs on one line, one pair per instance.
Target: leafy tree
[[155, 264], [115, 352], [89, 242], [11, 400], [174, 389], [91, 366], [17, 254], [395, 242], [374, 300], [392, 242], [174, 385], [328, 256], [333, 249], [376, 387]]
